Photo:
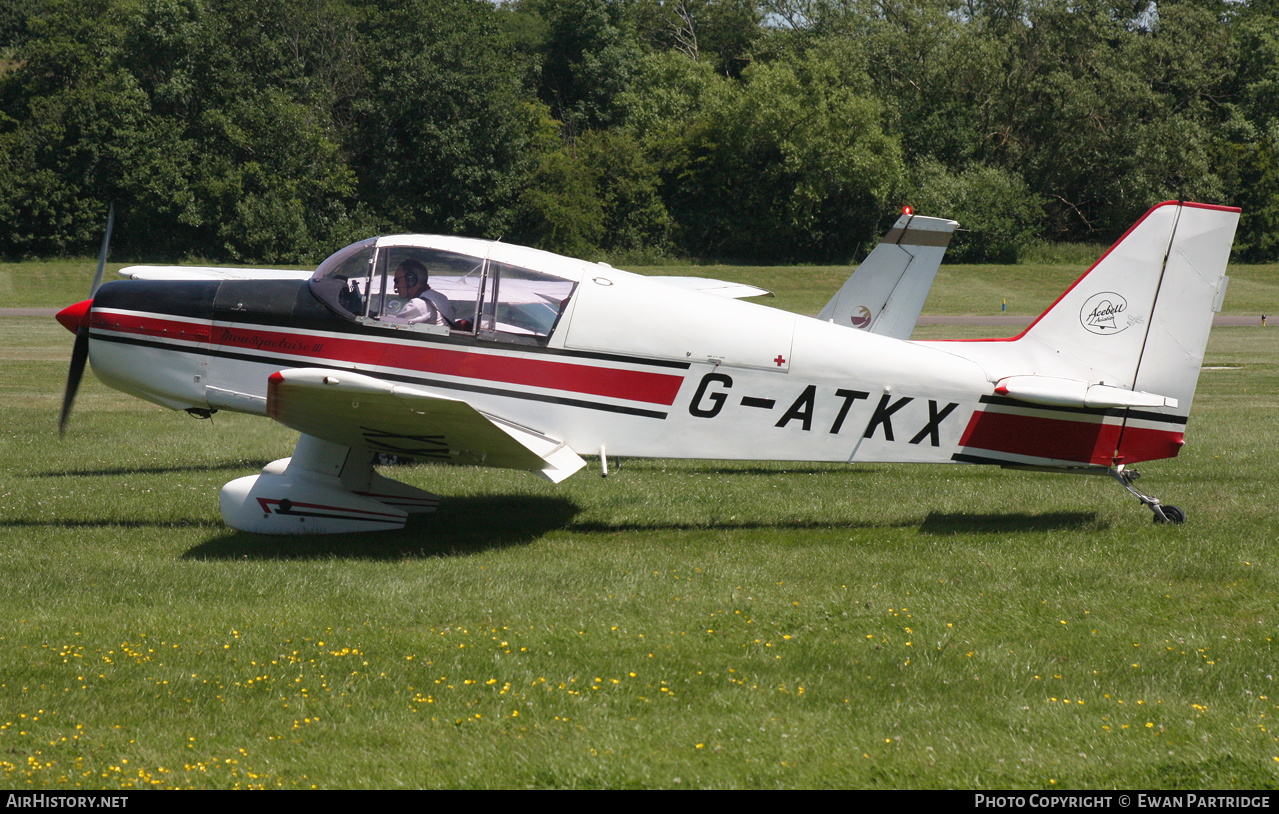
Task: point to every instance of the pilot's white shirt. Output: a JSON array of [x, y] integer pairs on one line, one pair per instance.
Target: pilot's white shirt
[[430, 307]]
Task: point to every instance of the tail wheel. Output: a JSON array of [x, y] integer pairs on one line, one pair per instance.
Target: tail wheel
[[1171, 514]]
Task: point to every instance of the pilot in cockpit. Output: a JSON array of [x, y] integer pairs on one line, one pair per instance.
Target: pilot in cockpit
[[417, 301]]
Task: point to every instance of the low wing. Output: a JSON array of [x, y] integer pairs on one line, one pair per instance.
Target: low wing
[[360, 411], [211, 273], [887, 291], [734, 291]]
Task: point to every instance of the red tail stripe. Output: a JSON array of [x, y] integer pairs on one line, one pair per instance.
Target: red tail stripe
[[1142, 444], [1085, 442], [1064, 440]]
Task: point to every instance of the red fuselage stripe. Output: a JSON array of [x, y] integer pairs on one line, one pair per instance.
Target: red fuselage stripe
[[632, 385], [149, 326]]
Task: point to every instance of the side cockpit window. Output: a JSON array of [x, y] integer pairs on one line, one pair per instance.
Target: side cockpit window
[[417, 286], [402, 287], [521, 305]]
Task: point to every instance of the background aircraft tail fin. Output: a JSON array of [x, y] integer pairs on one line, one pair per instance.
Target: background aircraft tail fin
[[887, 291]]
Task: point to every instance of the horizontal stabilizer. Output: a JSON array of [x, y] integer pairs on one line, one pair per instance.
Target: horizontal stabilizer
[[1056, 392], [359, 411]]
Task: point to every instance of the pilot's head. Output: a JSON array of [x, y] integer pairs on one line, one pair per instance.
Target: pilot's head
[[410, 278]]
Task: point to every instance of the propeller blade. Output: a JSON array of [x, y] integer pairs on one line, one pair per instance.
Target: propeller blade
[[78, 316], [79, 358], [102, 255]]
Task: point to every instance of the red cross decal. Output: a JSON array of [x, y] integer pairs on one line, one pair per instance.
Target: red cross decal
[[780, 360]]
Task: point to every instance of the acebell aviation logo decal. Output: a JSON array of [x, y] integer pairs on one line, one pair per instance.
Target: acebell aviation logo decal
[[1103, 314], [860, 317]]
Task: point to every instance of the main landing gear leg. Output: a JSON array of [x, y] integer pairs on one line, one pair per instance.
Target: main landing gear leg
[[1163, 513]]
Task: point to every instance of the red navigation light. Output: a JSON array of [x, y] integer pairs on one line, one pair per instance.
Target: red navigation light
[[906, 210]]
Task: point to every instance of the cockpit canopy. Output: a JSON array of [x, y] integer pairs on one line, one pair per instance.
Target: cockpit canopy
[[494, 295]]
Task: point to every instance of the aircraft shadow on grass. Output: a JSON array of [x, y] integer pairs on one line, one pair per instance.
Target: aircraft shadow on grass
[[729, 470], [934, 524], [469, 525], [797, 524], [1011, 523], [462, 525]]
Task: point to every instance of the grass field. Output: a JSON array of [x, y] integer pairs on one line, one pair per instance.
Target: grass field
[[678, 624]]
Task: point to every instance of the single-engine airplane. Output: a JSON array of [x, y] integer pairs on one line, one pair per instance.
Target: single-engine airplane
[[548, 358]]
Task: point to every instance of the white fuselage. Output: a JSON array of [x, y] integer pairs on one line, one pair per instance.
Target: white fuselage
[[639, 369]]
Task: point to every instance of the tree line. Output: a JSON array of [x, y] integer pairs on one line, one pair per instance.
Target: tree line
[[772, 130]]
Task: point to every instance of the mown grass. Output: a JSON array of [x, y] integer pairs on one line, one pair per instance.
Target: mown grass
[[678, 624]]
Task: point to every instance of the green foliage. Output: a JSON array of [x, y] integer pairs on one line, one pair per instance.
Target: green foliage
[[561, 211], [260, 132], [15, 21], [996, 211], [1103, 108], [443, 138], [721, 33], [589, 58], [628, 187], [668, 92], [220, 129], [1253, 169], [150, 106], [1247, 153], [792, 163], [599, 195]]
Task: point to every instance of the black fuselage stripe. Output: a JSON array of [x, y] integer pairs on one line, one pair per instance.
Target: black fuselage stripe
[[965, 458], [283, 363], [1103, 412]]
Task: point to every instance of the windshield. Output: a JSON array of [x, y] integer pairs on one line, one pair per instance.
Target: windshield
[[341, 281]]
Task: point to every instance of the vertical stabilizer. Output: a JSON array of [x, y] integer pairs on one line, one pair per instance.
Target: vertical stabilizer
[[1139, 318], [887, 291]]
